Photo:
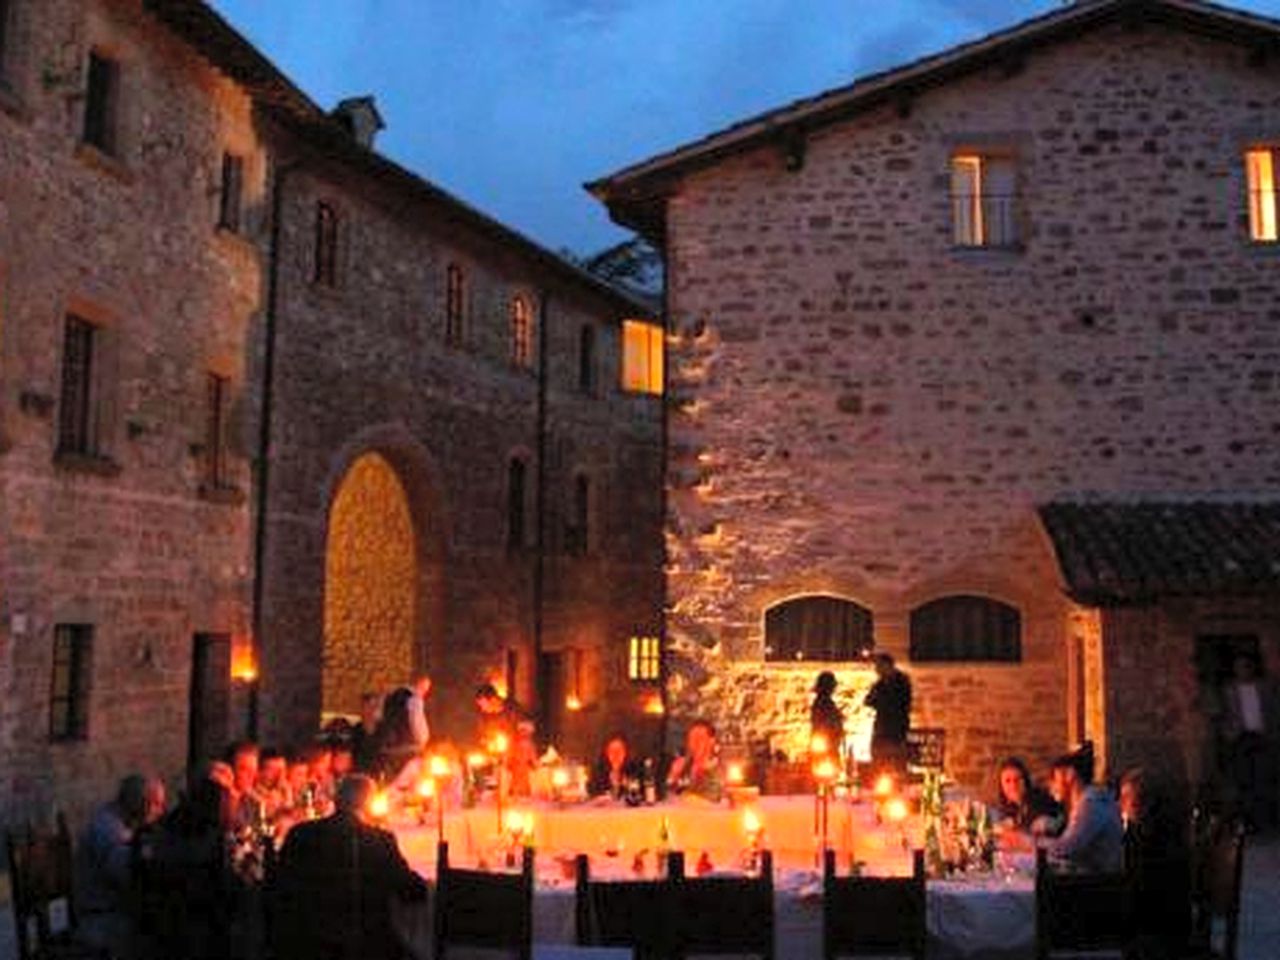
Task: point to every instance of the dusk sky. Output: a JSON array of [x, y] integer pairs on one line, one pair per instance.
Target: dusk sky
[[513, 104]]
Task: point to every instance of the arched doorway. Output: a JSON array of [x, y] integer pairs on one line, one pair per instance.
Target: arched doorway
[[371, 584]]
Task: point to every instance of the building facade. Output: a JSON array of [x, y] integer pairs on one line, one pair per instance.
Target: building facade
[[974, 362], [262, 446]]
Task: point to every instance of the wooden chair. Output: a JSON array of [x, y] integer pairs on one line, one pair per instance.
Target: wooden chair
[[1082, 912], [726, 915], [1217, 872], [40, 878], [475, 908], [873, 916], [631, 913]]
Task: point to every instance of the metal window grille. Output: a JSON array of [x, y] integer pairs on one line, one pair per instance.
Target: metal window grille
[[966, 629], [69, 693], [76, 427], [818, 628], [326, 245], [99, 102], [521, 332], [232, 192], [454, 303]]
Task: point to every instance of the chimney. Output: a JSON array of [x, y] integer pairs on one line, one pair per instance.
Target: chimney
[[361, 118]]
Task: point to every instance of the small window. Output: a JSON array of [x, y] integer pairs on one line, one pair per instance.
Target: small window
[[578, 532], [641, 357], [644, 659], [100, 105], [69, 693], [516, 471], [326, 246], [521, 332], [4, 38], [78, 431], [983, 201], [818, 628], [587, 359], [229, 207], [454, 303], [966, 629], [218, 395], [1260, 165]]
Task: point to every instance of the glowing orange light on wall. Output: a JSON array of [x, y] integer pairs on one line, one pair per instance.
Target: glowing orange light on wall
[[572, 703], [244, 664], [653, 706]]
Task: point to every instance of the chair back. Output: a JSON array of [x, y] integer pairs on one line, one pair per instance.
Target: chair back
[[40, 880], [1217, 875], [476, 908], [873, 916], [1082, 911], [632, 913], [727, 915]]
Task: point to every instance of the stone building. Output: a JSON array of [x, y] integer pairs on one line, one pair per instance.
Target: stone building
[[280, 421], [976, 361]]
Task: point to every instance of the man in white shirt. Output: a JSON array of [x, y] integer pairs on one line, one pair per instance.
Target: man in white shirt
[[1252, 743]]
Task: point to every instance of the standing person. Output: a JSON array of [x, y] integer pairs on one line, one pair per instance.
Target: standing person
[[364, 745], [826, 720], [890, 698], [105, 887], [1251, 729], [336, 883]]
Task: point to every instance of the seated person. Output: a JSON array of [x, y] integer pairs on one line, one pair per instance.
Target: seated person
[[1159, 862], [343, 764], [1093, 840], [246, 806], [319, 758], [500, 716], [696, 772], [1022, 805], [272, 788], [613, 769], [336, 883], [105, 869]]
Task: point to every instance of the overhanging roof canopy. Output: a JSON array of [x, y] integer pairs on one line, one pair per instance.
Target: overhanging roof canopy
[[1112, 554]]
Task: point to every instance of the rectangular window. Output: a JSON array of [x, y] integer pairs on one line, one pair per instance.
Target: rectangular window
[[521, 332], [69, 693], [218, 393], [101, 94], [1260, 165], [641, 357], [587, 359], [454, 303], [983, 195], [4, 36], [326, 246], [644, 661], [77, 415], [232, 192]]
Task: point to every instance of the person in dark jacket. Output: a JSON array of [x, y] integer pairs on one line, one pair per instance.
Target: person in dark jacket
[[826, 720], [336, 882], [890, 698], [1158, 861]]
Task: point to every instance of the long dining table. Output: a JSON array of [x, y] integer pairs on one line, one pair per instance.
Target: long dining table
[[988, 915]]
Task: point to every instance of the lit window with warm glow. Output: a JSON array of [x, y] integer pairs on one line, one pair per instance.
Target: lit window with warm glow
[[645, 659], [641, 357], [521, 332], [982, 201], [1260, 165]]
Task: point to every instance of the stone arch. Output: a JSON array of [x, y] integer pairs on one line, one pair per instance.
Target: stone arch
[[397, 511]]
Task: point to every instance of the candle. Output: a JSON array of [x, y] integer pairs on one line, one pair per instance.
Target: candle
[[426, 788], [884, 785], [379, 805], [439, 767], [819, 744], [751, 824], [735, 774], [499, 744], [896, 810], [825, 770]]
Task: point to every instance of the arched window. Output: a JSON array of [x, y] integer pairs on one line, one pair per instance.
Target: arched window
[[325, 253], [587, 359], [454, 303], [820, 628], [521, 332], [966, 628], [516, 471]]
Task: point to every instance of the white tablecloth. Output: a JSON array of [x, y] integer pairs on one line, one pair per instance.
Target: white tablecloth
[[987, 916]]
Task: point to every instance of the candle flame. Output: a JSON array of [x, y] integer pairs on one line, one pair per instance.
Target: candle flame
[[896, 810], [572, 703], [519, 823], [735, 774], [244, 665], [499, 744], [819, 744], [751, 822], [884, 785], [560, 778], [824, 769], [426, 788], [653, 706], [379, 805], [438, 766], [476, 759]]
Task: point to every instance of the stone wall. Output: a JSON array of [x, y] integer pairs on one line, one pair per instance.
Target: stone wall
[[127, 544], [863, 409]]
